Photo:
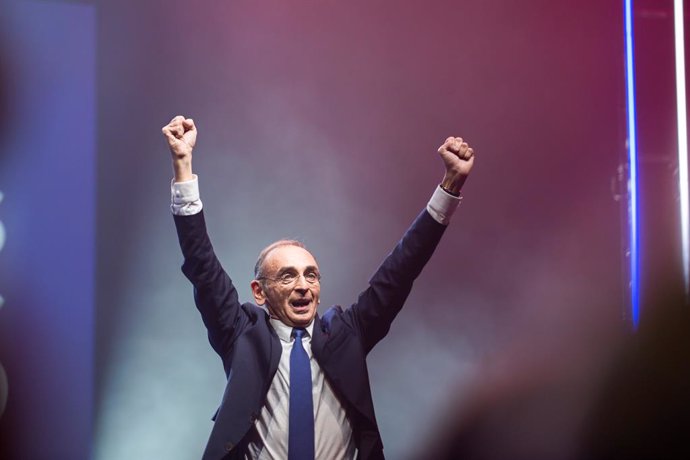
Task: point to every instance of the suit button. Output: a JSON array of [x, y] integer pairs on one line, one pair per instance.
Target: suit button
[[253, 418], [229, 446]]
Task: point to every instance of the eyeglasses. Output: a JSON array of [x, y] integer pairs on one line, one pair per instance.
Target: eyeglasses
[[290, 278]]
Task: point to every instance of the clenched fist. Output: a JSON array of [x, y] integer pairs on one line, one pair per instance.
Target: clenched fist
[[181, 136], [458, 157]]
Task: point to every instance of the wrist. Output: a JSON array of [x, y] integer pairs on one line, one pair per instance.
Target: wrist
[[183, 169], [452, 184]]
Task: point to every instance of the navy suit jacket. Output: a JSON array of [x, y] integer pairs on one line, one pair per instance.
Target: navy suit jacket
[[250, 349]]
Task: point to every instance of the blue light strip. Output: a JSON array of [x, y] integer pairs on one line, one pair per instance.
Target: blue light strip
[[633, 210]]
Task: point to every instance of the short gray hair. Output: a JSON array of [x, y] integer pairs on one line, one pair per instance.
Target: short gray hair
[[258, 267]]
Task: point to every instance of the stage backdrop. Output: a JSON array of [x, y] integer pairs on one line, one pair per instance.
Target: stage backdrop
[[320, 120]]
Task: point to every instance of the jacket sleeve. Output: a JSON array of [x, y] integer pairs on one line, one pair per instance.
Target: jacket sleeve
[[214, 293], [390, 285]]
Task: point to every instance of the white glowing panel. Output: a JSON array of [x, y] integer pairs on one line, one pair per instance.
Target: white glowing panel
[[682, 139]]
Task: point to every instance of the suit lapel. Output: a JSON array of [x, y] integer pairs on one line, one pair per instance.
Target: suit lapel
[[319, 338], [276, 351]]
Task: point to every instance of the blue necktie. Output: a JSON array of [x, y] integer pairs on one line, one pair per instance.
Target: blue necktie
[[301, 430]]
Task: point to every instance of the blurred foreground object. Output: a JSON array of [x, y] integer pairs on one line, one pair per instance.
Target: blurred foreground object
[[643, 408], [622, 400]]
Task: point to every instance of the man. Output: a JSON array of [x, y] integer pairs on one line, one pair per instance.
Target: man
[[298, 386]]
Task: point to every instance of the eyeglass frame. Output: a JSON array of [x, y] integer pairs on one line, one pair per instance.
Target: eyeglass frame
[[281, 279]]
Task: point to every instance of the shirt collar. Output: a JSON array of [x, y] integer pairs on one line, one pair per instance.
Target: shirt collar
[[285, 332]]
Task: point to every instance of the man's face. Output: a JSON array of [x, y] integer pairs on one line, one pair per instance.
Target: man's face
[[290, 287]]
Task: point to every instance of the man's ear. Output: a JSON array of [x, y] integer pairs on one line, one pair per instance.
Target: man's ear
[[258, 292]]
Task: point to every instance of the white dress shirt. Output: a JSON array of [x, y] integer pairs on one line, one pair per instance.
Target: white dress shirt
[[332, 430], [333, 435]]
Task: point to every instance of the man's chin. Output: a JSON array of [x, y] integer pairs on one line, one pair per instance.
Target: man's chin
[[301, 319]]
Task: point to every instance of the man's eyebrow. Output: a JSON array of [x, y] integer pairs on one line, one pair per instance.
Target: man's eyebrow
[[285, 270], [309, 268]]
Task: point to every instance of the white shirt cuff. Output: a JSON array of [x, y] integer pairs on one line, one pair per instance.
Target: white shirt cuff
[[184, 197], [442, 205]]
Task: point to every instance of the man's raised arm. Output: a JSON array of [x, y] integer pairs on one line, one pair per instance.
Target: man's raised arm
[[214, 293], [390, 286]]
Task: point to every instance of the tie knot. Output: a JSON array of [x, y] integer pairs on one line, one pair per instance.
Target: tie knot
[[298, 333]]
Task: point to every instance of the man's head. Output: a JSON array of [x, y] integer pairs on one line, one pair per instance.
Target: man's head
[[287, 282]]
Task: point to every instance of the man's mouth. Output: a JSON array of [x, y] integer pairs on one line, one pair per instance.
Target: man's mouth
[[300, 304]]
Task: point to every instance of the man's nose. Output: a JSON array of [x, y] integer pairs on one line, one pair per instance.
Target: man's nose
[[301, 283]]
